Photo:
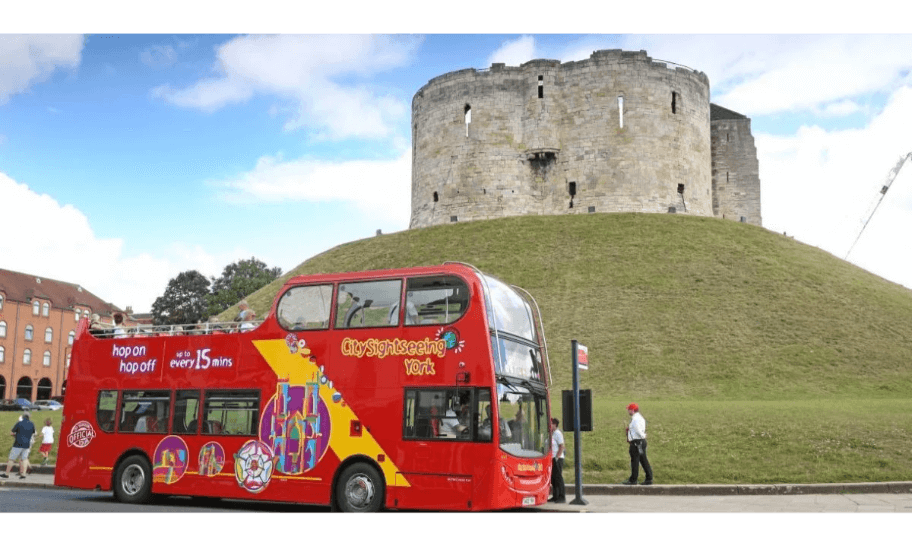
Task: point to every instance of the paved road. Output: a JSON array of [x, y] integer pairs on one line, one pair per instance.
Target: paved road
[[38, 494]]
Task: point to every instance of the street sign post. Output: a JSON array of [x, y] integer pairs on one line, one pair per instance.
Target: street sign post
[[580, 356]]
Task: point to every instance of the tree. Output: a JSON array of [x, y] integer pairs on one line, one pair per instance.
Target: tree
[[184, 300], [239, 280]]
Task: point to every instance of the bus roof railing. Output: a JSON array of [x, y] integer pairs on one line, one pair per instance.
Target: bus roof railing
[[107, 331]]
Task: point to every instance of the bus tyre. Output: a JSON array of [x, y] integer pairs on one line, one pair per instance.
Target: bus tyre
[[360, 489], [133, 480]]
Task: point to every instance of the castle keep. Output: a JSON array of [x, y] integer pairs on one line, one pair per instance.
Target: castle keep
[[617, 132]]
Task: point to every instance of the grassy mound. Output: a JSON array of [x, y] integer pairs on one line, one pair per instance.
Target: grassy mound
[[707, 324]]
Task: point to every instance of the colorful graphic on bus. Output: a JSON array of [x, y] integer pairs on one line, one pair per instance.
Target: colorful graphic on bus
[[296, 426], [211, 459], [253, 466], [170, 460]]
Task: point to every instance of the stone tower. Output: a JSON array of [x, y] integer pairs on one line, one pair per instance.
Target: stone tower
[[617, 132]]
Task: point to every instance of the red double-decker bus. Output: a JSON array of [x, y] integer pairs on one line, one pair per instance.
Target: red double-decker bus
[[411, 388]]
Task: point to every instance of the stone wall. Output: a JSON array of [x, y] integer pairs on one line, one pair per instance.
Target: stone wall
[[546, 138], [735, 169]]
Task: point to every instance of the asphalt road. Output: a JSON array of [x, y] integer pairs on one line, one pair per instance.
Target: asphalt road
[[38, 500]]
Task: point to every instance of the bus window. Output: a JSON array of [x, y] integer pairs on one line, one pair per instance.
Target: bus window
[[231, 413], [368, 304], [525, 412], [145, 411], [186, 412], [435, 300], [441, 414], [305, 308], [107, 410]]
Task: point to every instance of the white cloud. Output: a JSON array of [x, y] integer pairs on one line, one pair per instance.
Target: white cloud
[[158, 56], [762, 74], [308, 71], [515, 52], [818, 185], [381, 188], [63, 246], [29, 59]]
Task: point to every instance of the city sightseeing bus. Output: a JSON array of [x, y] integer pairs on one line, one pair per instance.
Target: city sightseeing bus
[[420, 388]]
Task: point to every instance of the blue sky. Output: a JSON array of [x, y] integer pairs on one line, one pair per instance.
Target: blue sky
[[158, 153]]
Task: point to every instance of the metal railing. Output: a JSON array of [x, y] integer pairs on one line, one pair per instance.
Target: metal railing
[[107, 331]]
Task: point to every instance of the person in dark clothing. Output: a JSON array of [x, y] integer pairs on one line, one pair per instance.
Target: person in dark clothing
[[23, 432]]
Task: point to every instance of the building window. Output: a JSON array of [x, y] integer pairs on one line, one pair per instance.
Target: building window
[[621, 111], [77, 314], [2, 328], [27, 357], [49, 335], [1, 302], [36, 307], [674, 102], [2, 353], [29, 332], [468, 117], [71, 337], [45, 309], [541, 87], [47, 358]]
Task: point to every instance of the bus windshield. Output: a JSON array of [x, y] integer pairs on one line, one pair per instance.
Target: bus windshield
[[524, 411]]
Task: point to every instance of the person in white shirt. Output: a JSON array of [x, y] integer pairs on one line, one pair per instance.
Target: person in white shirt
[[47, 440], [636, 437], [559, 493], [248, 316]]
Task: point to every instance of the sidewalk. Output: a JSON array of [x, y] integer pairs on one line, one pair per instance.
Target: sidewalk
[[41, 477]]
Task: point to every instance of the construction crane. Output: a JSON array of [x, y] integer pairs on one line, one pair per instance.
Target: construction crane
[[883, 191]]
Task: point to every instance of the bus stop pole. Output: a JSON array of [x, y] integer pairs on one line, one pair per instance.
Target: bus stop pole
[[577, 441]]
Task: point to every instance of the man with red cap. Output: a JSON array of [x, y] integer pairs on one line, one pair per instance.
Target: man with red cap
[[636, 437]]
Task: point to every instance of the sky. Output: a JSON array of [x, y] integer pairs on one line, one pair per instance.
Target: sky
[[128, 158]]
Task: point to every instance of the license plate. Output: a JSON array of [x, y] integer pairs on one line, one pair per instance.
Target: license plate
[[527, 501]]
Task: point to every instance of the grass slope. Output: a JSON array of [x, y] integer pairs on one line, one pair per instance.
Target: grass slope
[[712, 322]]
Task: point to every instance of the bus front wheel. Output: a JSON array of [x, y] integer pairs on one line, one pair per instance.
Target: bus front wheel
[[360, 489], [133, 480]]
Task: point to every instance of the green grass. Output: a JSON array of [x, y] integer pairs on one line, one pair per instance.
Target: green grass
[[9, 418], [755, 358], [728, 441]]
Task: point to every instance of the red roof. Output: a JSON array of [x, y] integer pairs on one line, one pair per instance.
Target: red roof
[[23, 287]]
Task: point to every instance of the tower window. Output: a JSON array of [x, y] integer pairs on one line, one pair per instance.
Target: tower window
[[454, 218], [541, 87], [435, 197], [621, 111], [468, 117], [674, 102], [681, 189], [572, 188]]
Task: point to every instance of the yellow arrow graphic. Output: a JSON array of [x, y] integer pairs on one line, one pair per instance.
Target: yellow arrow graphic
[[297, 369]]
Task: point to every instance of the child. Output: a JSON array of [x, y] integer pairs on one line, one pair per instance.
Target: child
[[47, 441]]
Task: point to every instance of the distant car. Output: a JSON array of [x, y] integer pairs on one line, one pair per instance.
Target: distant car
[[52, 405], [8, 405], [23, 404]]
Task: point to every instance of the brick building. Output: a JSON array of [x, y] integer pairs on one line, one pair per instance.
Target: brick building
[[38, 318]]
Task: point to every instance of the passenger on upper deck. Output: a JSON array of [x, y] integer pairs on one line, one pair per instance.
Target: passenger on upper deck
[[119, 330], [248, 316]]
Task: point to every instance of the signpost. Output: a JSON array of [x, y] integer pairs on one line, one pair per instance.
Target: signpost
[[580, 361]]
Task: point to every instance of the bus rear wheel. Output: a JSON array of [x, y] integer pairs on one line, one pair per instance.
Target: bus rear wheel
[[360, 489], [133, 480]]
